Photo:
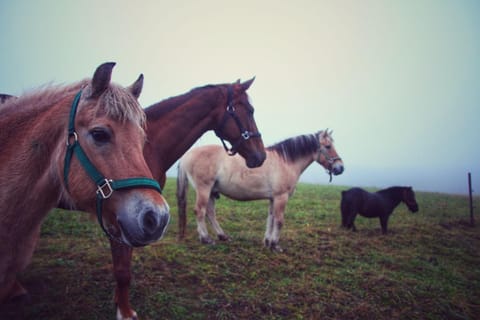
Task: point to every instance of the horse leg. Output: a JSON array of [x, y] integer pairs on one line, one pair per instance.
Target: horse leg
[[211, 215], [201, 205], [11, 287], [384, 222], [344, 209], [350, 220], [279, 204], [269, 228], [122, 256]]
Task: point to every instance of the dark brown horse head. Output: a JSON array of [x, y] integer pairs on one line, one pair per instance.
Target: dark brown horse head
[[5, 97], [237, 125], [408, 197], [109, 127]]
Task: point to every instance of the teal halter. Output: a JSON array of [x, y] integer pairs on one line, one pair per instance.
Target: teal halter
[[105, 187]]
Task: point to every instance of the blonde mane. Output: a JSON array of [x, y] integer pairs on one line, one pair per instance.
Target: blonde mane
[[122, 106]]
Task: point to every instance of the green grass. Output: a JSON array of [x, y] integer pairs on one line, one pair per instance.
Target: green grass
[[427, 267]]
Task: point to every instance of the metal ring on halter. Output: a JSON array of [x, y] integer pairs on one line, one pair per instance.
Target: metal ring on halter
[[75, 138]]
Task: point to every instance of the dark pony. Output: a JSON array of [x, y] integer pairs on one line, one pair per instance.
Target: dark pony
[[378, 204]]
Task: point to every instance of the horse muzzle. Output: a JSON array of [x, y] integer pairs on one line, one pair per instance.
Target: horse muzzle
[[337, 168], [255, 159], [142, 222], [413, 208]]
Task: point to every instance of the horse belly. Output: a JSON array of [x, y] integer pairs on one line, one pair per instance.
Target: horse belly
[[244, 189], [372, 208]]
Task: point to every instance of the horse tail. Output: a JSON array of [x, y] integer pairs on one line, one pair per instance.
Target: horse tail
[[182, 192]]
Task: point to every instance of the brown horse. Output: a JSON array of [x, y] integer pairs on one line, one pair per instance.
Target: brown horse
[[211, 172], [173, 126], [75, 144], [5, 97]]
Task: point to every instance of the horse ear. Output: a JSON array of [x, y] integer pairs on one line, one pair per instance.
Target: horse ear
[[136, 87], [101, 79], [247, 84]]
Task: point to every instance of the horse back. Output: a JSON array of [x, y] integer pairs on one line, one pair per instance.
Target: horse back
[[202, 164], [363, 202]]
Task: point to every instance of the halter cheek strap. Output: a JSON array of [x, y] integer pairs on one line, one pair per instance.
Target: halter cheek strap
[[105, 187], [244, 133], [330, 160]]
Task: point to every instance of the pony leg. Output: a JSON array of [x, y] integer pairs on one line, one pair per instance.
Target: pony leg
[[345, 212], [200, 212], [351, 222], [383, 223], [211, 215], [122, 256]]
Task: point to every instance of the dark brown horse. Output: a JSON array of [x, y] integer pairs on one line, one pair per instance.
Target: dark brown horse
[[5, 97], [80, 145], [173, 126], [371, 205]]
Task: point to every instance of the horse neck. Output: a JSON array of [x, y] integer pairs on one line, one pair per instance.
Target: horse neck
[[171, 134], [35, 138], [297, 152], [394, 194]]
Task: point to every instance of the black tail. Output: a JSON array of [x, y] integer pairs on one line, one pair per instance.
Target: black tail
[[182, 192]]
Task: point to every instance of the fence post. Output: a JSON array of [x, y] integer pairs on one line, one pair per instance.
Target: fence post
[[472, 220]]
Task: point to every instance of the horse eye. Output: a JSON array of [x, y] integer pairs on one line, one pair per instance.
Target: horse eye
[[100, 135], [328, 147]]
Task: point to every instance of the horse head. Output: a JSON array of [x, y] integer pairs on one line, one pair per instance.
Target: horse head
[[108, 129], [408, 197], [237, 125], [327, 155]]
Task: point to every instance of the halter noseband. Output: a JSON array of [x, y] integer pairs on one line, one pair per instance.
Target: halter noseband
[[244, 134], [105, 187]]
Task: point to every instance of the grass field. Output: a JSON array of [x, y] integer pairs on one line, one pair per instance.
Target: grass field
[[427, 267]]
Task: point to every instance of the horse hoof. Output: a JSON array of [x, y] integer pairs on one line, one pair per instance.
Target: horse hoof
[[207, 240], [276, 248], [224, 237], [266, 242], [121, 317]]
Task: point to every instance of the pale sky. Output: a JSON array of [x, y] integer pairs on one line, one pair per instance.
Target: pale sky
[[397, 81]]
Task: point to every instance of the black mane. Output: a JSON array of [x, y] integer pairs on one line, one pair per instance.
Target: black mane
[[296, 147]]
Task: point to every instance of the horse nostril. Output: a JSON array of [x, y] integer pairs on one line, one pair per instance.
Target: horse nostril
[[337, 170], [150, 221]]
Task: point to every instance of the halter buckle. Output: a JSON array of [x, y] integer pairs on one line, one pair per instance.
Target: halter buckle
[[105, 190], [246, 135]]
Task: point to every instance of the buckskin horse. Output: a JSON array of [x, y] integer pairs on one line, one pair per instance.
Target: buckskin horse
[[80, 145], [173, 126], [377, 204], [212, 172]]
